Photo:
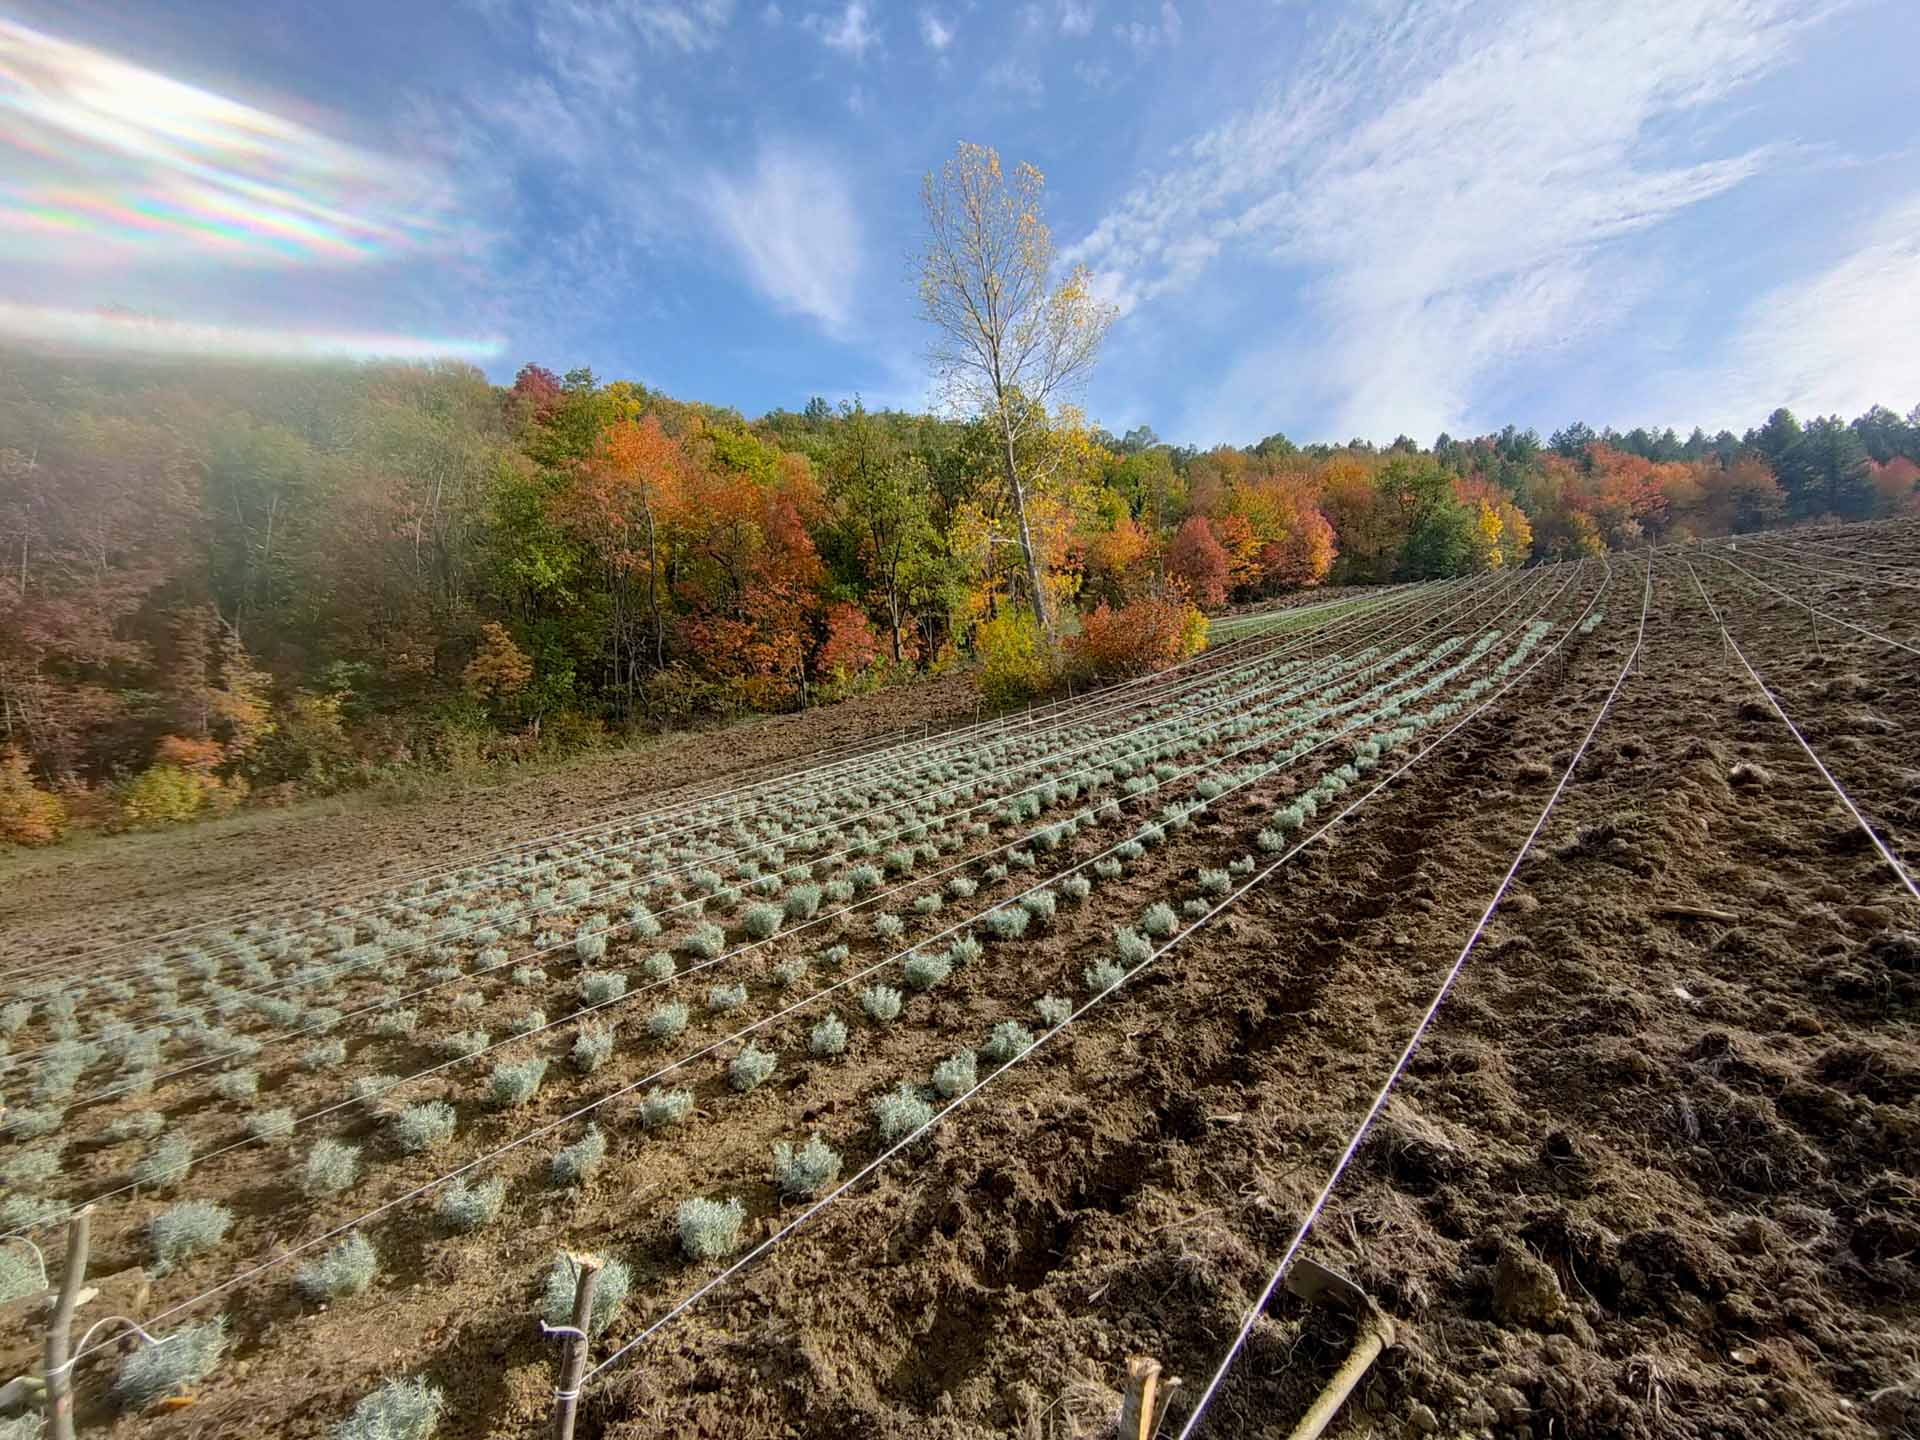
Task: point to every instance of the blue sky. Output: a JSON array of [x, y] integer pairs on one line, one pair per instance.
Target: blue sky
[[1332, 220]]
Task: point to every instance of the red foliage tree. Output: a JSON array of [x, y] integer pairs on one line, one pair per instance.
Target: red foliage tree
[[851, 648], [1198, 561]]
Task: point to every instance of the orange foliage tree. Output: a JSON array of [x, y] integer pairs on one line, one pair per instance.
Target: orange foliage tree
[[1148, 634], [617, 502]]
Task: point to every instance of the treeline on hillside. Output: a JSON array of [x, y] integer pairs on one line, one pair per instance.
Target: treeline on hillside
[[220, 581]]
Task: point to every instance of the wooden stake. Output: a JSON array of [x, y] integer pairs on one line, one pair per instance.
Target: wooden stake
[[1137, 1409], [59, 1371], [573, 1359]]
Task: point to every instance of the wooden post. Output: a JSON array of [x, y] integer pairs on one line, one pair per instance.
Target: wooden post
[[59, 1371], [1137, 1409], [573, 1359]]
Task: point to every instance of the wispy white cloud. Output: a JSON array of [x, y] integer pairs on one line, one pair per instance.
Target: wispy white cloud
[[1836, 342], [1467, 221], [851, 32], [1145, 35], [937, 33], [1076, 17], [593, 47], [792, 224], [1094, 74], [1016, 77]]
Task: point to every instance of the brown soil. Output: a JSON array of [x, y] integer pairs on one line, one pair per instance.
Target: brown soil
[[1654, 1173]]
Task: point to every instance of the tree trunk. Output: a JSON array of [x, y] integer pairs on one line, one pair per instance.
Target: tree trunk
[[653, 593], [1012, 469]]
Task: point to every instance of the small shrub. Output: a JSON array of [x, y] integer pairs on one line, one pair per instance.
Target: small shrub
[[802, 902], [527, 1022], [802, 1174], [30, 1124], [659, 966], [1040, 904], [662, 1108], [609, 1293], [1052, 1010], [592, 1046], [726, 997], [1076, 888], [269, 1125], [140, 1125], [472, 1000], [1008, 923], [590, 947], [154, 1372], [19, 1277], [1132, 947], [965, 951], [955, 1075], [392, 1023], [529, 976], [515, 1082], [370, 1089], [924, 969], [602, 987], [750, 1067], [705, 942], [709, 1229], [888, 926], [345, 1269], [29, 1167], [829, 1037], [1108, 869], [1159, 921], [1009, 1040], [835, 955], [762, 922], [667, 1020], [1102, 976], [961, 887], [165, 1165], [467, 1208], [1215, 882], [900, 1113], [186, 1229], [420, 1128], [398, 1410], [462, 1043], [928, 904], [578, 1161], [237, 1085], [789, 972], [332, 1165], [881, 1002]]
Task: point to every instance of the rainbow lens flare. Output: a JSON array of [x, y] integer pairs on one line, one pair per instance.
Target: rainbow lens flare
[[126, 185]]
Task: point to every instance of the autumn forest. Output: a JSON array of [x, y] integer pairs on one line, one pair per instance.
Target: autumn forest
[[229, 581]]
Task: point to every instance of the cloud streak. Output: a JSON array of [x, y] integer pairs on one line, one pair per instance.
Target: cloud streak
[[1467, 222], [792, 225], [1835, 343]]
